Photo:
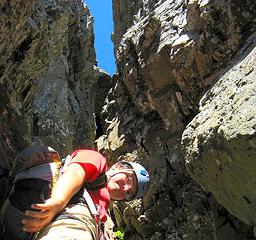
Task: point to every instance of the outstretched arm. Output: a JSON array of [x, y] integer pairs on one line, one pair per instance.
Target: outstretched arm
[[66, 187]]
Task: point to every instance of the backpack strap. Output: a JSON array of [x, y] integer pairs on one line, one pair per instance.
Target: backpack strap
[[99, 182], [90, 203], [64, 163]]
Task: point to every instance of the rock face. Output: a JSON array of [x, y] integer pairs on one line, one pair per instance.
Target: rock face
[[47, 71], [169, 53], [220, 142]]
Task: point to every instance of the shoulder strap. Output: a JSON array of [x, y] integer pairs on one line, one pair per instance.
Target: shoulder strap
[[99, 182], [90, 203]]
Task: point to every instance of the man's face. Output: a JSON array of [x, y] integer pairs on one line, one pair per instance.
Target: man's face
[[122, 186]]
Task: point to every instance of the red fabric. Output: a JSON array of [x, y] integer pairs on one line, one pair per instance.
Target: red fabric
[[94, 164]]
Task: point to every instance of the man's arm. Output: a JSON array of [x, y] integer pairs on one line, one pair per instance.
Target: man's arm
[[66, 187]]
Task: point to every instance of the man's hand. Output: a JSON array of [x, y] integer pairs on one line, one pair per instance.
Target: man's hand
[[108, 229], [35, 221], [108, 233], [66, 187]]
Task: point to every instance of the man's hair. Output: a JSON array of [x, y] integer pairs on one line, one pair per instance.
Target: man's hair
[[124, 165]]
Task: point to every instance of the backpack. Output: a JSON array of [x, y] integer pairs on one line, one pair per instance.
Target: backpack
[[32, 179], [34, 173]]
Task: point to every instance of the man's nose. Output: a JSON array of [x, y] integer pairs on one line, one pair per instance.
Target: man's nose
[[126, 187], [121, 186]]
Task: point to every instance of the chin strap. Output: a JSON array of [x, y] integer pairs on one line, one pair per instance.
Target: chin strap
[[99, 182], [112, 172]]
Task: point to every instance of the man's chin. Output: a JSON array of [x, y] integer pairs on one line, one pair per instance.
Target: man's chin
[[116, 198]]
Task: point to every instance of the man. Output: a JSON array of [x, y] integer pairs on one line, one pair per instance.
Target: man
[[66, 216]]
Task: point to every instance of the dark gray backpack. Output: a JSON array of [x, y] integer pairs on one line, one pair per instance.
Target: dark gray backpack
[[34, 173]]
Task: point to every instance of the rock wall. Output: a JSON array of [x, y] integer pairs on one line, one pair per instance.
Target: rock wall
[[220, 141], [47, 72], [169, 53]]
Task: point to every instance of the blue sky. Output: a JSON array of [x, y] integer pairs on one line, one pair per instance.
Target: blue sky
[[101, 10]]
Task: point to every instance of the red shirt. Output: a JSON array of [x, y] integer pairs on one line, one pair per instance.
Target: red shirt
[[94, 164]]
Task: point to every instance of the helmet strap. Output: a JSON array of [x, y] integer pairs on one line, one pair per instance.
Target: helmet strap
[[112, 172]]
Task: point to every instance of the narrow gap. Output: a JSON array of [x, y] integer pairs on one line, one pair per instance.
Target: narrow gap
[[99, 128], [19, 53], [26, 91], [1, 70], [144, 147], [247, 200], [35, 125]]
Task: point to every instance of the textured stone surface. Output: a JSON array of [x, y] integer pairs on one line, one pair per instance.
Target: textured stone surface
[[221, 141], [100, 90], [168, 54], [47, 60]]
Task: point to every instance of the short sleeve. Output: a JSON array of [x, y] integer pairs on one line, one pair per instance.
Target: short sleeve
[[92, 162]]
